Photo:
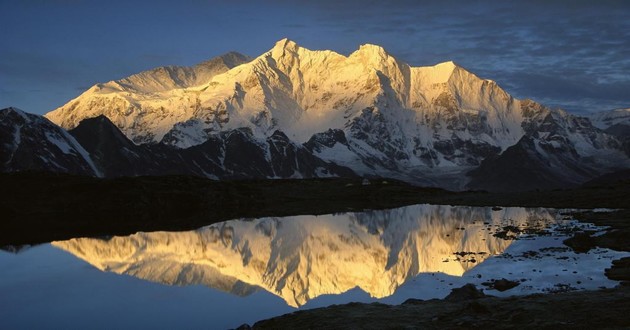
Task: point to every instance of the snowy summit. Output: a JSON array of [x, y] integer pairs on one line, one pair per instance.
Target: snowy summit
[[367, 111]]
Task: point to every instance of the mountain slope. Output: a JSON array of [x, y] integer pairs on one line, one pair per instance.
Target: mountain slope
[[606, 119], [374, 113], [31, 142], [558, 151], [174, 77], [138, 100], [616, 123], [235, 154], [111, 151]]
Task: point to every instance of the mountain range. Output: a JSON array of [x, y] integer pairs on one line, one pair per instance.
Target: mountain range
[[294, 112]]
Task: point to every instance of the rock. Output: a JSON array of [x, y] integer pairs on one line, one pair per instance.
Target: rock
[[412, 301], [466, 292], [501, 285], [581, 242], [620, 271]]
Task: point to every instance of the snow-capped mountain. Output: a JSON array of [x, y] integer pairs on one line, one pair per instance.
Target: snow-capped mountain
[[32, 142], [174, 77], [616, 123], [367, 111], [558, 150], [302, 257], [607, 119], [145, 106]]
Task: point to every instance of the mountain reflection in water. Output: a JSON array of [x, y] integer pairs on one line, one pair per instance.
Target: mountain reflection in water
[[299, 258]]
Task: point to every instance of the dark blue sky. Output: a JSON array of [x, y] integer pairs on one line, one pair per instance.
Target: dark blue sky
[[569, 54]]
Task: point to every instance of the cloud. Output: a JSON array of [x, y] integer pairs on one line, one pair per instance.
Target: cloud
[[557, 52], [571, 54], [578, 91]]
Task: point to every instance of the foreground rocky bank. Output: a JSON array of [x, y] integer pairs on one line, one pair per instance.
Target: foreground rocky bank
[[604, 309], [468, 307]]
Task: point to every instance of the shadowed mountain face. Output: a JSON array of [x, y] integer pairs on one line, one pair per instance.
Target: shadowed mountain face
[[114, 154], [32, 142], [300, 258], [96, 147], [235, 154]]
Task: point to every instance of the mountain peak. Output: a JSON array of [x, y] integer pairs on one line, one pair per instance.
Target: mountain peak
[[372, 48], [441, 72], [371, 51], [13, 109], [448, 66], [287, 44], [230, 60], [16, 111], [283, 48]]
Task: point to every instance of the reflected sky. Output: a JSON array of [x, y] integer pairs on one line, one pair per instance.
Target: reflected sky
[[241, 271], [300, 258]]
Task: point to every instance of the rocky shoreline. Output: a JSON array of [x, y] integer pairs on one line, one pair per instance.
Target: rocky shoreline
[[469, 307], [602, 309]]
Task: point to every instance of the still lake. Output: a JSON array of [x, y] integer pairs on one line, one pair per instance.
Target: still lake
[[241, 271]]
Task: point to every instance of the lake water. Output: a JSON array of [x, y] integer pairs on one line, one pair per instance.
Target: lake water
[[241, 271]]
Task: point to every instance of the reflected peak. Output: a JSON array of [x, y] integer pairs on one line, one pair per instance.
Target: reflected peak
[[302, 257]]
